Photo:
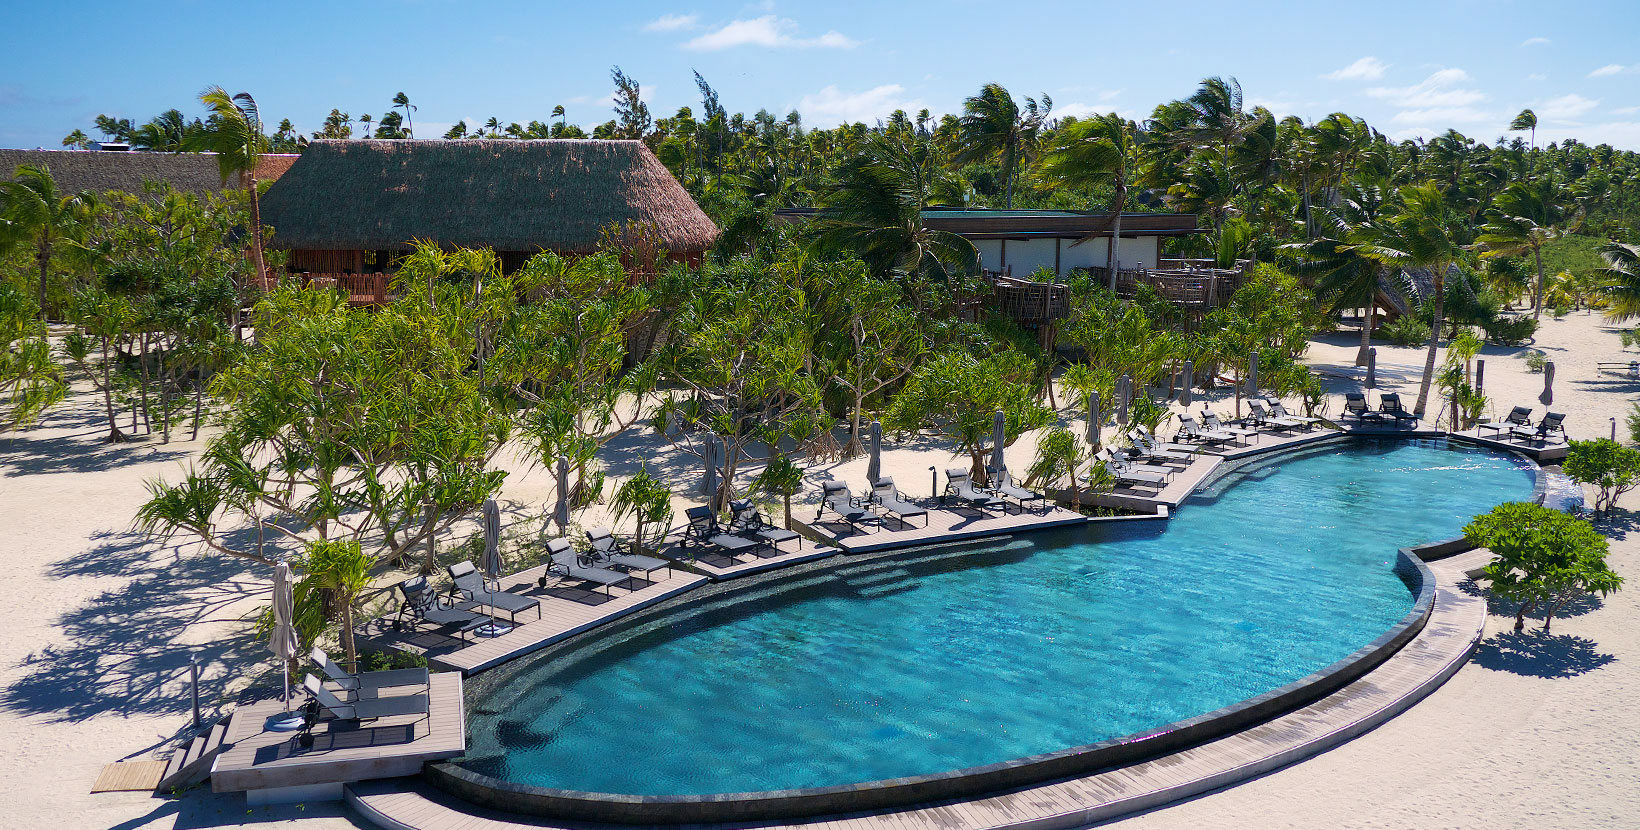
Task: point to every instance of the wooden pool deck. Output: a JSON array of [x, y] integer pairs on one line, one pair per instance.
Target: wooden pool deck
[[944, 524], [565, 612], [1412, 673], [720, 567], [1188, 479], [1550, 453], [265, 763]]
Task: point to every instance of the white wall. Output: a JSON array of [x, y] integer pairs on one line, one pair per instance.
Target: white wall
[[1025, 256], [990, 253]]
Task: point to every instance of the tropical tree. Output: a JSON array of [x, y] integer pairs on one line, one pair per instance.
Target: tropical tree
[[77, 139], [32, 208], [994, 126], [1527, 120], [402, 101], [235, 136], [1623, 269], [1545, 558], [1092, 152], [781, 477], [958, 394], [1606, 465], [649, 504], [1345, 277], [30, 382], [335, 572], [1525, 220]]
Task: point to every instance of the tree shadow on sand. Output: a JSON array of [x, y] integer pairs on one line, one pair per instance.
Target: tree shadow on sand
[[79, 452], [123, 653], [1537, 653]]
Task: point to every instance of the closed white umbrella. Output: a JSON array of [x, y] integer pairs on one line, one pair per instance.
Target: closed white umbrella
[[1548, 396], [708, 481], [560, 511], [1185, 395], [999, 437], [1095, 419], [874, 467], [490, 563], [1124, 389], [282, 641]]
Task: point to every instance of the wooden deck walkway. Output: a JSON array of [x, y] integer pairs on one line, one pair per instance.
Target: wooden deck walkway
[[720, 567], [1548, 454], [943, 525], [259, 760], [1189, 479], [565, 611], [1412, 673]]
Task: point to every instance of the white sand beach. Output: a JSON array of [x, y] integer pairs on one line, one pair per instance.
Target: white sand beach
[[99, 622]]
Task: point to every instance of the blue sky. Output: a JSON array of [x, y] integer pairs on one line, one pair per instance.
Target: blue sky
[[1410, 68]]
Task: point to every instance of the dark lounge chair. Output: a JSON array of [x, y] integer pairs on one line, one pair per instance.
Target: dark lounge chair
[[1002, 484], [564, 562], [1520, 416], [1389, 404], [746, 521], [606, 548], [367, 684], [1211, 422], [959, 486], [835, 497], [887, 497], [704, 529], [1129, 473], [1269, 420], [1189, 431], [1355, 404], [469, 585], [1279, 409], [1553, 423], [422, 605], [1148, 450]]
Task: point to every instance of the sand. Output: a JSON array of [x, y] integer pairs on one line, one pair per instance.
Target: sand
[[100, 621]]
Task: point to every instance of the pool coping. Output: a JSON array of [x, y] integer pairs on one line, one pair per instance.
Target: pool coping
[[973, 781]]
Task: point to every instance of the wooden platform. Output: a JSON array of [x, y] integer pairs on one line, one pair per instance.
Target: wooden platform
[[720, 567], [944, 525], [1189, 479], [1412, 673], [129, 776], [342, 751], [1547, 454], [566, 609]]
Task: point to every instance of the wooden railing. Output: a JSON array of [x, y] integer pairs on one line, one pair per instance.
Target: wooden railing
[[1193, 288], [1024, 301], [362, 289]]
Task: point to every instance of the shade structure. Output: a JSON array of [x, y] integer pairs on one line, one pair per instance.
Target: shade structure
[[491, 563], [1252, 374], [874, 466], [709, 480], [999, 438], [1548, 396], [560, 511], [1372, 368], [1480, 377], [1124, 390], [1185, 396], [1095, 419], [282, 639]]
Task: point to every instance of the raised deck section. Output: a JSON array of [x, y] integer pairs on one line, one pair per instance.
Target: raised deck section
[[1549, 453], [720, 568], [342, 752], [1435, 654], [943, 525], [565, 611], [1188, 480]]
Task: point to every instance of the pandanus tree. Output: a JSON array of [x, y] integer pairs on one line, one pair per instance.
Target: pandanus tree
[[958, 394], [30, 382], [1093, 152], [1427, 233], [994, 126], [235, 135], [33, 209], [1527, 214]]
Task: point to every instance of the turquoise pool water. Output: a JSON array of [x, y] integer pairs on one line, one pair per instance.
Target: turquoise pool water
[[961, 657]]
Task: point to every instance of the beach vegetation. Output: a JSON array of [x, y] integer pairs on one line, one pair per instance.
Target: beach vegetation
[[1611, 468], [1544, 558]]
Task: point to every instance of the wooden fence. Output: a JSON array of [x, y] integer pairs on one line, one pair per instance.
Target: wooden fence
[[362, 289]]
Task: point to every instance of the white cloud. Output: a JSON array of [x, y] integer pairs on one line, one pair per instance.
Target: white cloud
[[1443, 115], [1566, 107], [1537, 76], [1626, 111], [767, 31], [1608, 70], [1535, 41], [832, 106], [1368, 68], [672, 22], [1440, 91], [1083, 109], [1275, 106]]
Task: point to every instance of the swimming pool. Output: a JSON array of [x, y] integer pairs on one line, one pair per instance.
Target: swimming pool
[[953, 658]]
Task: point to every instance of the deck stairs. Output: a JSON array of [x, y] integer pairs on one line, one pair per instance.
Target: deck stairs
[[192, 764], [880, 583]]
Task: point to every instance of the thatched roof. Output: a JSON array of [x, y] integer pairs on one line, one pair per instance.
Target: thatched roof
[[556, 195], [100, 171]]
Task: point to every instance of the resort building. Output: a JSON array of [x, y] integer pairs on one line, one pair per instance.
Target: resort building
[[101, 171], [1023, 242], [348, 207]]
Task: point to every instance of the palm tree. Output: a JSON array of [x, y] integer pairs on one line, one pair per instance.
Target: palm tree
[[1527, 120], [458, 131], [236, 137], [34, 209], [364, 124], [876, 210], [1345, 277], [1526, 215], [77, 139], [1094, 151], [402, 101], [1427, 233], [993, 125], [492, 126], [1623, 268]]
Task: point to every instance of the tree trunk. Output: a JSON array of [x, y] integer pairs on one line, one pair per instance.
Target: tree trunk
[[787, 498], [43, 258], [1434, 343], [1537, 291], [1115, 237], [1366, 333], [114, 434], [164, 400], [347, 634], [199, 401]]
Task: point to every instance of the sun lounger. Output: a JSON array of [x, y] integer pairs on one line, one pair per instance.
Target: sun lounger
[[422, 605], [1627, 371], [1279, 409], [469, 585], [1553, 423], [1520, 416], [959, 486], [1129, 473], [1152, 443], [1192, 432], [704, 529], [564, 562], [1003, 485], [1211, 422], [366, 684], [746, 521], [1265, 418], [1355, 404], [835, 497], [606, 548], [1150, 451], [887, 498], [1389, 404], [364, 708]]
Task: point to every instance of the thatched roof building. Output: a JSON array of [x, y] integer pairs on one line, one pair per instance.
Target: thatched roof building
[[518, 197], [101, 171]]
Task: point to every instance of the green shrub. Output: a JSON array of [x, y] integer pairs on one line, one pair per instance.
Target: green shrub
[[1605, 464], [1535, 361], [1545, 558], [392, 659], [1634, 423], [1406, 330], [1511, 331]]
